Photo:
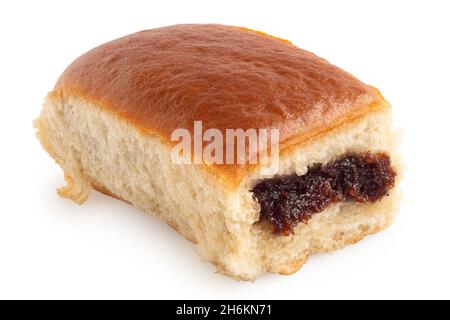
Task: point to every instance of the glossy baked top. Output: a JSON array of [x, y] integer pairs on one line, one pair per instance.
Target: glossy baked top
[[227, 77]]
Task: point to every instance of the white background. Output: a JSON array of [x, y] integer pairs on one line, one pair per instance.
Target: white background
[[53, 248]]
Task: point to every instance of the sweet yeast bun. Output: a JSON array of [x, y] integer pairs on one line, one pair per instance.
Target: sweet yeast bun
[[108, 124]]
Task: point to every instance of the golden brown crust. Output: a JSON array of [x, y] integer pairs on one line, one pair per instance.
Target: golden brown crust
[[227, 77]]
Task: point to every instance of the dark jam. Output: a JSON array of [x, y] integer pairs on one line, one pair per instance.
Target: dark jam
[[292, 199]]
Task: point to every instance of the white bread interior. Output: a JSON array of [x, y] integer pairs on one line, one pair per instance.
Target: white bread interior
[[96, 148]]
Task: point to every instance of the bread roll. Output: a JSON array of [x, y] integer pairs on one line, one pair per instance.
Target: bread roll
[[110, 119]]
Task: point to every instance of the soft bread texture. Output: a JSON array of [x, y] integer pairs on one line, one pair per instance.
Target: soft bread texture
[[96, 149], [225, 76], [107, 125]]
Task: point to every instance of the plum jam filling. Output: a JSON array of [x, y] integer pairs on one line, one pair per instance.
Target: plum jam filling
[[289, 200]]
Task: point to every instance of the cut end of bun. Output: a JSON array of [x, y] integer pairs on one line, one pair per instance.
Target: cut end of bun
[[97, 149]]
